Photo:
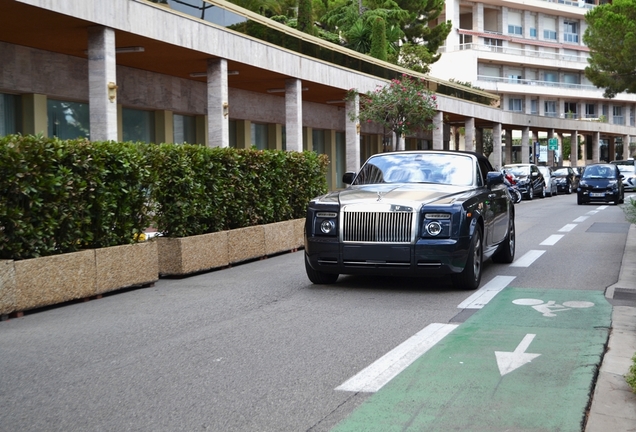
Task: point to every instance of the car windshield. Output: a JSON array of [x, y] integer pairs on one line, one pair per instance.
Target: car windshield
[[440, 168], [561, 171], [519, 170], [599, 172]]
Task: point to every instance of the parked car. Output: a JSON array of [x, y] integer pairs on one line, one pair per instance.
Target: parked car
[[629, 176], [567, 179], [412, 213], [601, 182], [529, 179], [550, 181]]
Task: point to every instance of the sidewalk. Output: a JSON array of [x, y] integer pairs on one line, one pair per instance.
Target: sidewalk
[[613, 405]]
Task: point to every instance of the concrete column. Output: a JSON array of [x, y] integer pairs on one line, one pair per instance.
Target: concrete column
[[352, 134], [218, 104], [438, 131], [478, 17], [469, 134], [525, 145], [596, 142], [626, 142], [611, 149], [574, 149], [452, 13], [479, 140], [551, 133], [102, 84], [294, 114], [400, 144], [508, 153], [496, 146]]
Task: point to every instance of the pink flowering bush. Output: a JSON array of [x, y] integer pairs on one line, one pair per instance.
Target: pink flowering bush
[[403, 106]]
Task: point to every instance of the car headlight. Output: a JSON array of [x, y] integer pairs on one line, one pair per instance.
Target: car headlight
[[326, 223], [437, 225], [582, 183]]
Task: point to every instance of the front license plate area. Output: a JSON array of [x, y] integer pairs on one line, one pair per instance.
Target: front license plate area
[[597, 195], [380, 253]]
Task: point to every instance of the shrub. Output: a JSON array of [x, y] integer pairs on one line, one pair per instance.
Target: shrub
[[631, 375]]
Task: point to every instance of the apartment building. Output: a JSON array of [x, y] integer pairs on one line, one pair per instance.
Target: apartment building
[[531, 53]]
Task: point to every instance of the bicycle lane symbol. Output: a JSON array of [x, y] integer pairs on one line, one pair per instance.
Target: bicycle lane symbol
[[548, 309]]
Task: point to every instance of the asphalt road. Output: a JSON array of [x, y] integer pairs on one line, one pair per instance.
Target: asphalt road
[[257, 347]]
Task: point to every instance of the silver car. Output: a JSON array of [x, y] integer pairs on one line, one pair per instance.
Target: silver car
[[550, 185]]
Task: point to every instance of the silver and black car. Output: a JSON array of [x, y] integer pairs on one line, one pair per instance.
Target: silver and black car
[[412, 213], [602, 182], [529, 179]]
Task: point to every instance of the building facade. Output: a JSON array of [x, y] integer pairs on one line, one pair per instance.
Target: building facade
[[531, 53], [211, 73]]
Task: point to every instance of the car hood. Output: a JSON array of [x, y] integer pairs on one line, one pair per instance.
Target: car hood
[[413, 195], [598, 182]]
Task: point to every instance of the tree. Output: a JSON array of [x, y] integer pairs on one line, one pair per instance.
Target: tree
[[611, 37], [403, 106], [418, 29], [378, 39], [305, 16]]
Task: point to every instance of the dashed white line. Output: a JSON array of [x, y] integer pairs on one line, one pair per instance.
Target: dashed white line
[[580, 219], [527, 259], [551, 241], [603, 207], [568, 228], [592, 212], [377, 374], [481, 297]]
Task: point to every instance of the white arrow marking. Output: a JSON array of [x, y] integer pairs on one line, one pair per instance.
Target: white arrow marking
[[509, 361]]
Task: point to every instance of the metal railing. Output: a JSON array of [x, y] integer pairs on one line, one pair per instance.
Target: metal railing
[[506, 80], [581, 58]]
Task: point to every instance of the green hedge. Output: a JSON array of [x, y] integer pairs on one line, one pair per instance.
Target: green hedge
[[62, 196]]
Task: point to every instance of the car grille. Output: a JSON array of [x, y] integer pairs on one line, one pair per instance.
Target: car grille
[[377, 227]]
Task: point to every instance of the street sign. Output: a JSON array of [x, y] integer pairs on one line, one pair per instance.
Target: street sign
[[553, 144]]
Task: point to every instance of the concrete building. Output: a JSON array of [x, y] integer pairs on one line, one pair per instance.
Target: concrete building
[[211, 73], [531, 53]]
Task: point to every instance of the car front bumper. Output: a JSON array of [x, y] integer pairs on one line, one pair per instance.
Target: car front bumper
[[424, 258], [598, 196]]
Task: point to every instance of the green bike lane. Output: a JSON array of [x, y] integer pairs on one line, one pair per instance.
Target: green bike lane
[[527, 361]]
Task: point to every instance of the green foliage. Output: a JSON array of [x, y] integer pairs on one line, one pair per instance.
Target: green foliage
[[403, 106], [611, 37], [305, 16], [415, 57], [631, 375], [378, 39], [62, 196], [630, 210]]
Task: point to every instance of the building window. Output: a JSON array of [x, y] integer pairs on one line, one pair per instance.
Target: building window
[[534, 106], [515, 29], [570, 33], [590, 111], [494, 44], [67, 120], [318, 141], [259, 135], [9, 114], [550, 109], [138, 125], [515, 105], [569, 108], [549, 35], [618, 117], [185, 129], [514, 79], [533, 32]]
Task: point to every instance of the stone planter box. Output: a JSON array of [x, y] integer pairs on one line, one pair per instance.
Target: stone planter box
[[125, 266], [185, 255], [37, 282]]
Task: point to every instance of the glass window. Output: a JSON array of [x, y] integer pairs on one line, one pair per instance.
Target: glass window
[[515, 105], [259, 136], [570, 109], [534, 106], [9, 114], [514, 29], [533, 32], [550, 108], [185, 129], [67, 120], [138, 125], [318, 141], [590, 111], [549, 34]]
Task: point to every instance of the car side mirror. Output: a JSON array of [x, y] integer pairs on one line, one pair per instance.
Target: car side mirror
[[535, 174], [494, 178], [347, 178]]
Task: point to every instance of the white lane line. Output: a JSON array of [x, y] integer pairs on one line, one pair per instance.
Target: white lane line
[[592, 212], [481, 297], [551, 241], [603, 207], [387, 367], [580, 219], [528, 258], [568, 228]]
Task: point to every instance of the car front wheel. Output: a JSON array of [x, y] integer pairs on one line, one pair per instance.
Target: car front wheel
[[318, 277], [470, 277], [530, 192], [569, 189]]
